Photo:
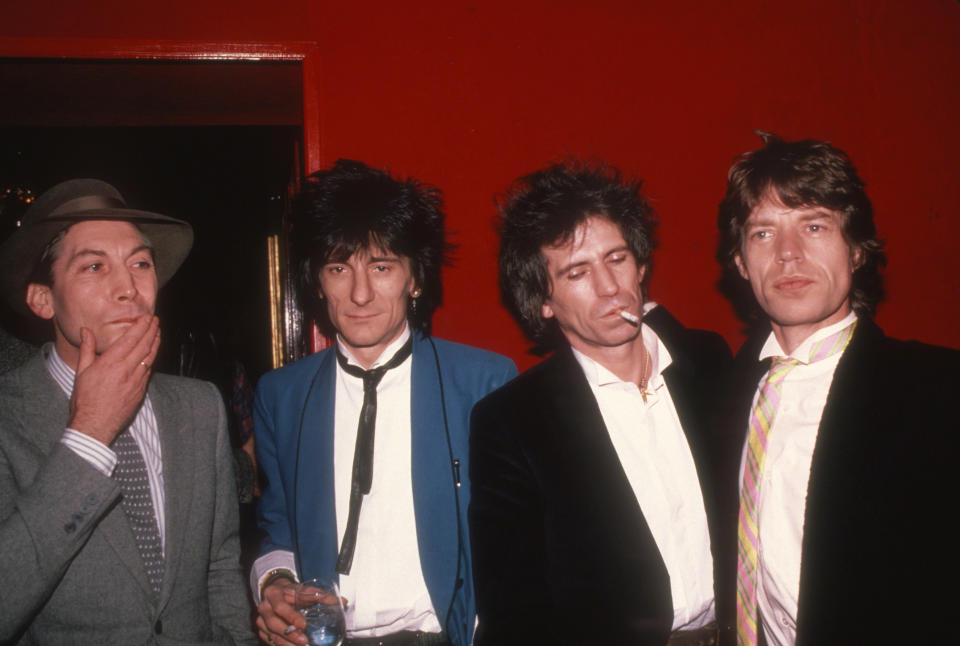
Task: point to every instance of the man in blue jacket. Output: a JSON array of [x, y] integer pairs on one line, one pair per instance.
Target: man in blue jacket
[[364, 445]]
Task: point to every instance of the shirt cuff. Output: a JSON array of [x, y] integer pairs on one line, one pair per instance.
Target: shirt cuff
[[102, 458], [267, 565]]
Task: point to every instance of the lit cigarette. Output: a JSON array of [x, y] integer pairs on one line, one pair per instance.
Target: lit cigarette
[[629, 318]]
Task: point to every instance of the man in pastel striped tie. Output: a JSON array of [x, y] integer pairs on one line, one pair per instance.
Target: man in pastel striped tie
[[849, 439]]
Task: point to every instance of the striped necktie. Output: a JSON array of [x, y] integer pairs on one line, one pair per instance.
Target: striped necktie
[[761, 420]]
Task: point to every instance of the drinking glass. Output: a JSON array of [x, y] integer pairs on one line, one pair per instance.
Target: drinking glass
[[320, 604]]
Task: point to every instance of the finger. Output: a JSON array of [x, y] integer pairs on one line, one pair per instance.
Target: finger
[[147, 340], [125, 344], [88, 349], [279, 630], [154, 348], [289, 616], [142, 353], [150, 358], [277, 627], [293, 638]]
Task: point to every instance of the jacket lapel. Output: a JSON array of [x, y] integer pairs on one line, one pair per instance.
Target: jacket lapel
[[312, 475], [178, 451], [577, 419], [51, 416], [435, 504], [850, 448], [679, 377]]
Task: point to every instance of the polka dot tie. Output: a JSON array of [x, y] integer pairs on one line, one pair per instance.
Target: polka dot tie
[[131, 474]]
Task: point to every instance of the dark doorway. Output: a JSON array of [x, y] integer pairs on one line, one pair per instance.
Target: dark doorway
[[215, 142], [230, 183]]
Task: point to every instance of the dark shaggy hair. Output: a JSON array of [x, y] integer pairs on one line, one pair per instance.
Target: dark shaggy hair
[[545, 208], [350, 207], [804, 173]]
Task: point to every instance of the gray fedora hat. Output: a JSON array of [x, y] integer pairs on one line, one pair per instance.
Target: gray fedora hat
[[74, 201]]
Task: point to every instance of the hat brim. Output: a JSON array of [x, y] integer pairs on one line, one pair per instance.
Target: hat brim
[[170, 240]]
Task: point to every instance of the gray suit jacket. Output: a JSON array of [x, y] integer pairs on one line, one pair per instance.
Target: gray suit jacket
[[69, 566]]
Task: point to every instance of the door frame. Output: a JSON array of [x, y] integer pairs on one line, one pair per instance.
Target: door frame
[[290, 335], [305, 52]]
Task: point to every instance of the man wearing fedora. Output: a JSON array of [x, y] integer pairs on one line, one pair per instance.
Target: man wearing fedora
[[118, 511]]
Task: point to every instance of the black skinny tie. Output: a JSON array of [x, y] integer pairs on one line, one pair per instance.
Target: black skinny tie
[[363, 453]]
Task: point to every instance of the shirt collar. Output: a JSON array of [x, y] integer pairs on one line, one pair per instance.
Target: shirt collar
[[385, 356], [772, 348], [660, 358], [58, 368]]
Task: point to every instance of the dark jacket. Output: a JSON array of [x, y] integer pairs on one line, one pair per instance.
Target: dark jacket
[[562, 553], [878, 560]]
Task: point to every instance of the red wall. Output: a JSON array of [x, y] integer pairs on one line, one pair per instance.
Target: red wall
[[469, 96]]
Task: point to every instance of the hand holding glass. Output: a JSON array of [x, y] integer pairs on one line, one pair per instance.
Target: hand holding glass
[[320, 604]]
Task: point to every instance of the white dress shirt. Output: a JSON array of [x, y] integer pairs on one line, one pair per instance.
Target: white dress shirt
[[143, 429], [656, 458], [783, 484], [385, 590]]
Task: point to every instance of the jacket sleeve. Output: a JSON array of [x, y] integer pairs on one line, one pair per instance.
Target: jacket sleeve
[[49, 506], [272, 506]]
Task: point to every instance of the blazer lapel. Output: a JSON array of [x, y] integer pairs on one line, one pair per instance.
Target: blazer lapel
[[690, 391], [310, 448], [178, 451], [51, 415], [850, 447], [678, 375], [577, 418], [435, 504], [116, 531]]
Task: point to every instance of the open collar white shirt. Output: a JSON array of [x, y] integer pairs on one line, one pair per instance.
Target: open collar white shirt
[[653, 450], [786, 474], [385, 588]]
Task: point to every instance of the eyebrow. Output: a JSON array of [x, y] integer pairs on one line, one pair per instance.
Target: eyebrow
[[818, 214]]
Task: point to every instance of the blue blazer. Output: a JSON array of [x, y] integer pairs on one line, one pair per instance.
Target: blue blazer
[[293, 417]]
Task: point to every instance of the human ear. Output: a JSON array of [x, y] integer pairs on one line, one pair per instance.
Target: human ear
[[741, 267], [40, 300], [546, 311], [856, 259], [641, 273]]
